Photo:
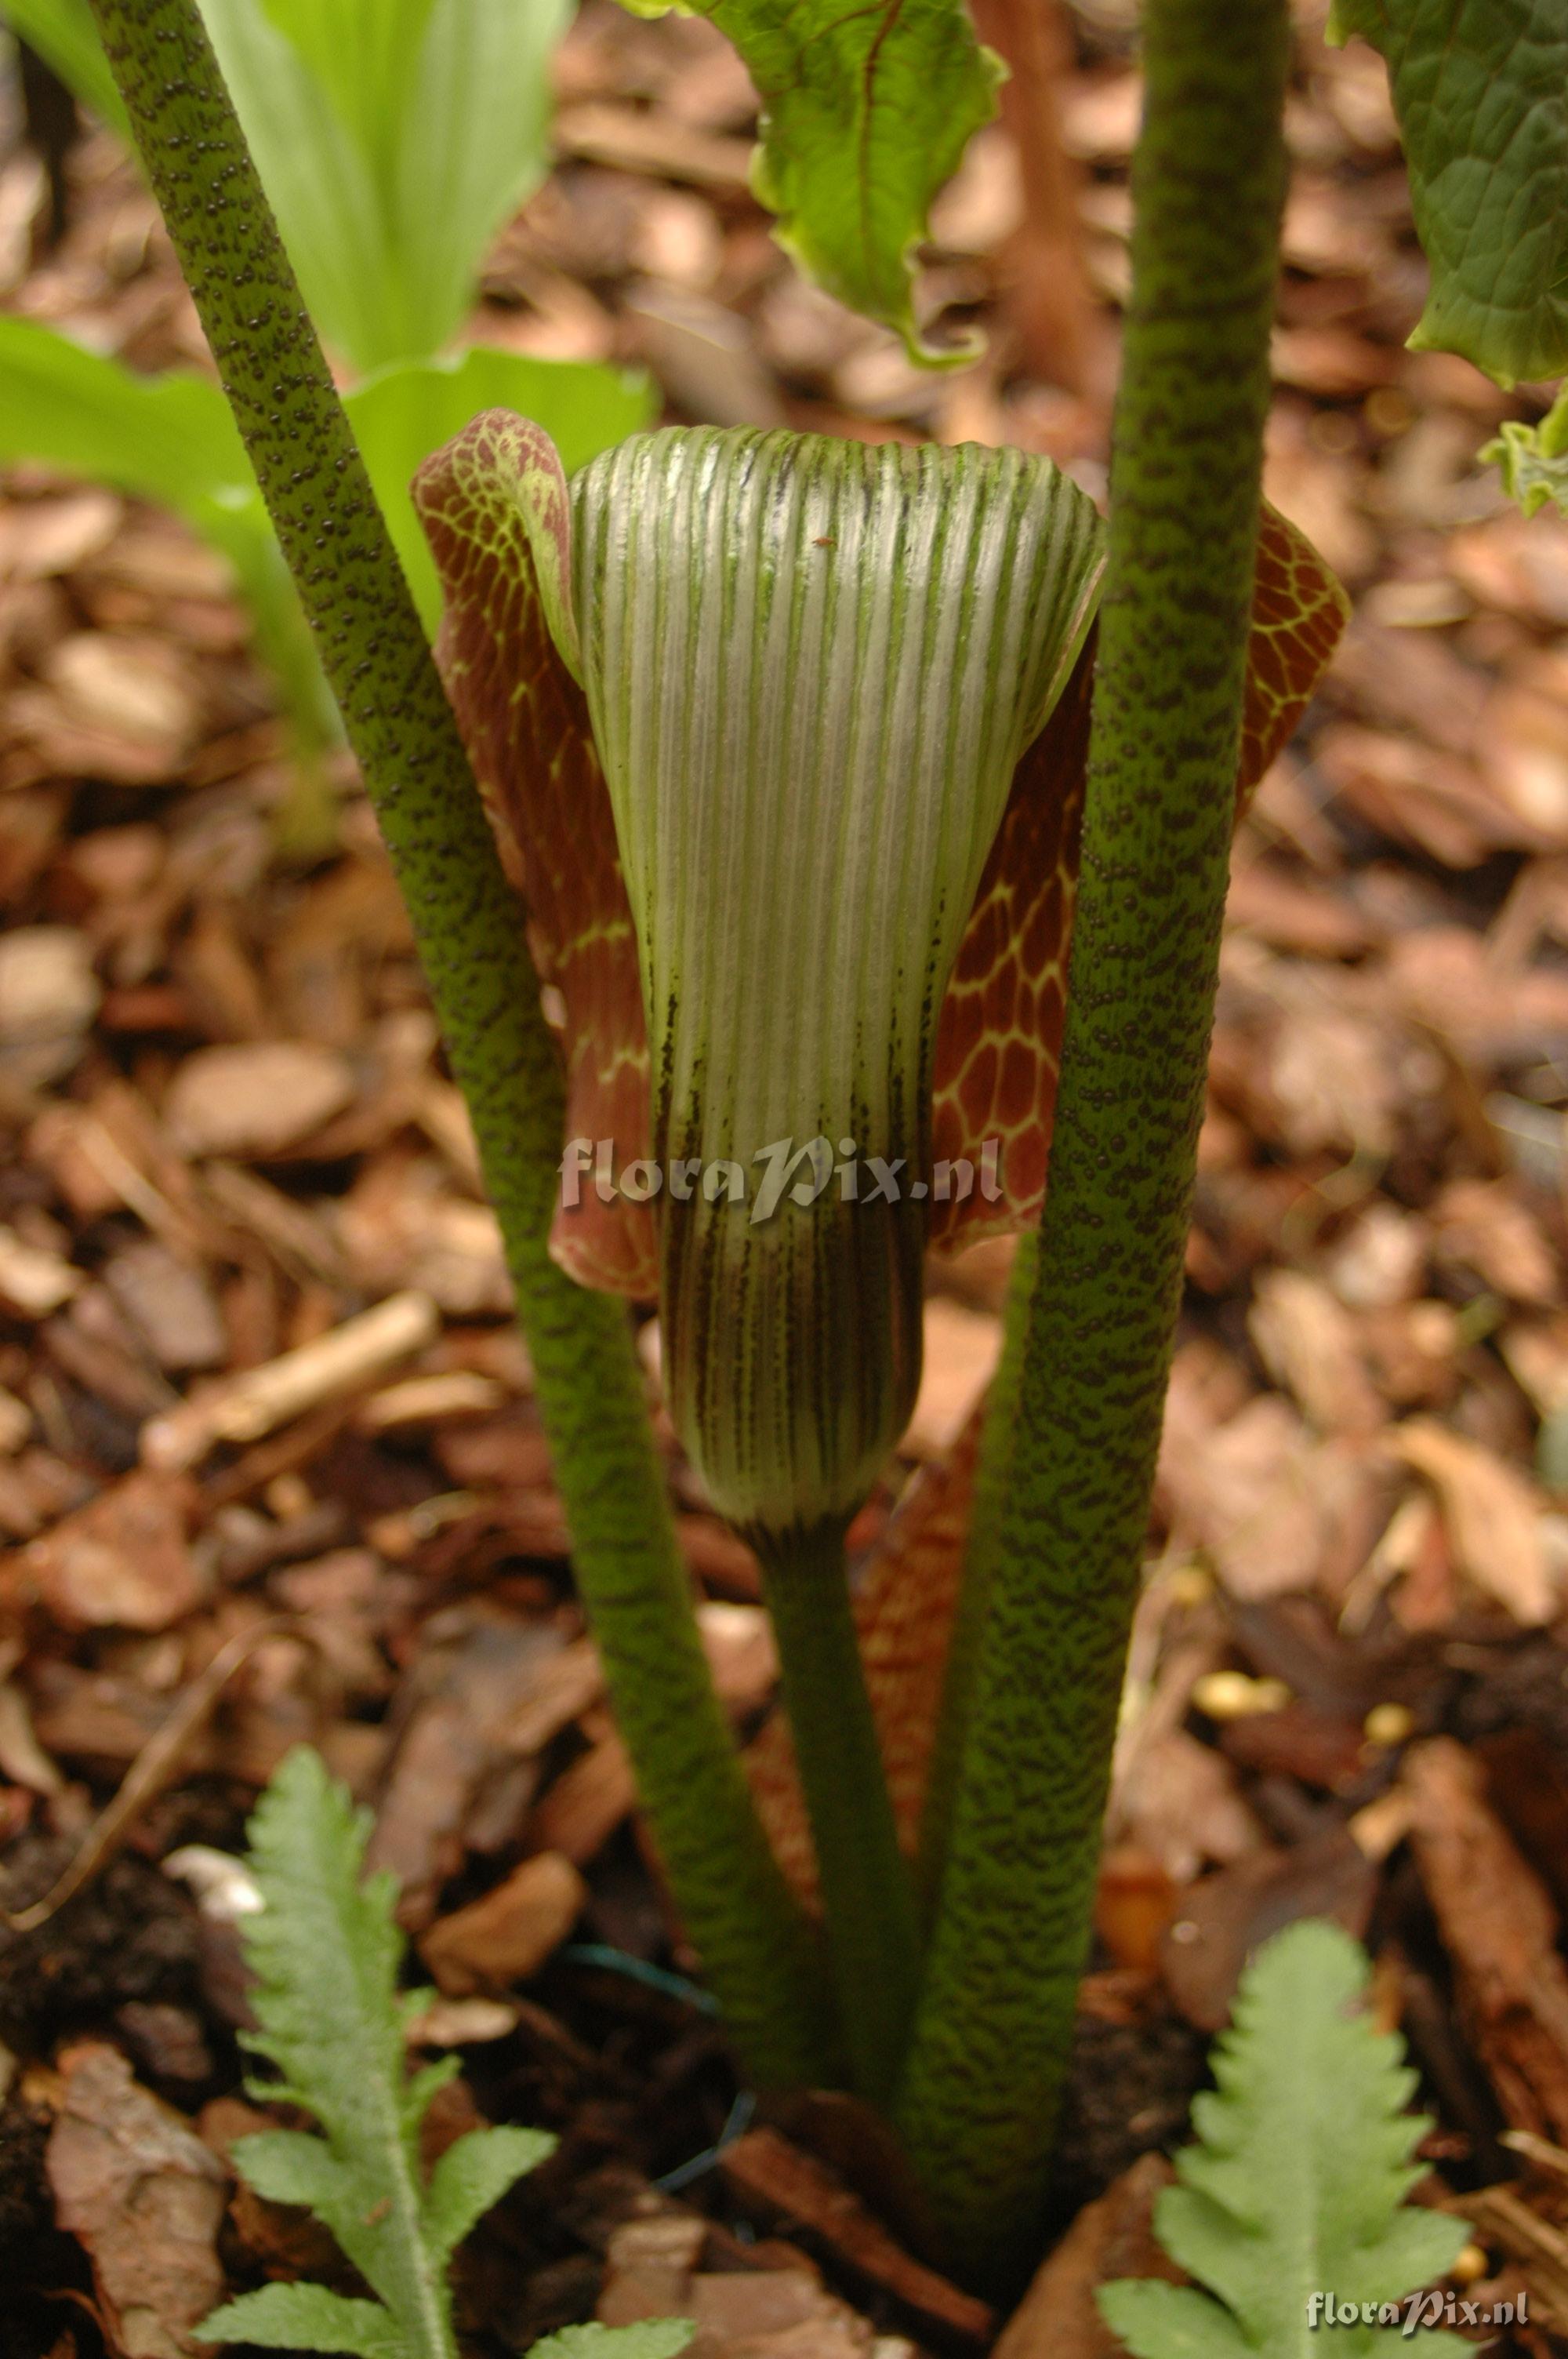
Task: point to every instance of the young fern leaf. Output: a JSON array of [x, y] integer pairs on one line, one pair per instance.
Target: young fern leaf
[[1298, 2182], [655, 2338], [325, 1952], [1533, 460]]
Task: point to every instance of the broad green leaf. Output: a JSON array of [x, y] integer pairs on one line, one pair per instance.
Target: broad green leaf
[[392, 141], [1481, 90], [811, 668], [157, 437], [401, 415], [366, 59], [170, 438], [394, 138], [305, 2318], [1298, 2180], [292, 2167], [65, 36], [655, 2338], [1533, 460], [866, 112]]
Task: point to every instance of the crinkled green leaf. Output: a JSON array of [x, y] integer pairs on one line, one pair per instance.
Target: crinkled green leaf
[[811, 666], [401, 415], [65, 36], [1533, 460], [305, 2318], [866, 112], [1481, 90], [654, 2338], [1298, 2180]]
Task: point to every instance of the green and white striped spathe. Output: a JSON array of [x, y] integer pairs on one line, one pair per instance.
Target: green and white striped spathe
[[812, 666]]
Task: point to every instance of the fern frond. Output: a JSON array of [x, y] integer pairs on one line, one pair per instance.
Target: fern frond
[[1298, 2180], [326, 1952]]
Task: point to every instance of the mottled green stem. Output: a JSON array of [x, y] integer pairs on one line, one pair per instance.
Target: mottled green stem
[[867, 1893], [993, 1480], [994, 2029], [754, 1945]]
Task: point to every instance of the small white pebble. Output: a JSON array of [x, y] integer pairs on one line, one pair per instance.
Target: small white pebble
[[224, 1887]]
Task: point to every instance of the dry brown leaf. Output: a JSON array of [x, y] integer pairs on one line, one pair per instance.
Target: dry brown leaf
[[1307, 1342], [1112, 2237], [1481, 1225], [256, 1098], [1274, 1509], [145, 2197], [1179, 1801], [48, 995], [122, 1561], [1491, 1512], [507, 1935], [1500, 1930], [772, 2179]]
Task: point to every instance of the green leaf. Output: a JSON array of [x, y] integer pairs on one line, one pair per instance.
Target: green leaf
[[171, 439], [393, 142], [305, 2318], [1297, 2184], [65, 36], [401, 415], [292, 2167], [866, 112], [811, 666], [475, 2172], [654, 2338], [394, 138], [1166, 2321], [1533, 460], [1480, 88]]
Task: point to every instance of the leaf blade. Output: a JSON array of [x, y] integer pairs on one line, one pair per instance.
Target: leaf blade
[[653, 2338], [1480, 88], [306, 2317], [474, 2173], [866, 112]]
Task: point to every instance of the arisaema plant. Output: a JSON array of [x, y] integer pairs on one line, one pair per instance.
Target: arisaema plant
[[804, 758], [784, 740]]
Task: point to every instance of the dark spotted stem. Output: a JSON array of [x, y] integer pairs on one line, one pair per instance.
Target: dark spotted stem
[[868, 1892], [756, 1947], [994, 2029]]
